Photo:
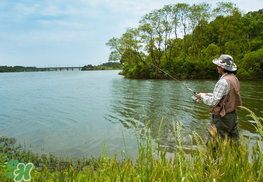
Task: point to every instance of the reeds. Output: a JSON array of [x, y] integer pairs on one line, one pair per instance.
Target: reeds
[[227, 162]]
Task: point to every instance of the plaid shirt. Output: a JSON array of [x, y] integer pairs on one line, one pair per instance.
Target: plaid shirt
[[221, 89]]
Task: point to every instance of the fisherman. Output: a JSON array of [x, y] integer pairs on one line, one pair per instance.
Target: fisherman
[[224, 100]]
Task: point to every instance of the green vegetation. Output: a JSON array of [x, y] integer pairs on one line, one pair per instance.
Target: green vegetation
[[228, 163], [206, 34], [16, 69], [104, 66]]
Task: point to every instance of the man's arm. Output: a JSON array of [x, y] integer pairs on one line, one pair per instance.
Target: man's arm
[[221, 89]]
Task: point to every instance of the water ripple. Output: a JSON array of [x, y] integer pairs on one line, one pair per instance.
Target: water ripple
[[75, 113]]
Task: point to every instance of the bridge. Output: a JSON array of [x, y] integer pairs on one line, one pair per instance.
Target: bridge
[[71, 68]]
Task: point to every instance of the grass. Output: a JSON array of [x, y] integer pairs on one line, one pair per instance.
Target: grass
[[227, 163]]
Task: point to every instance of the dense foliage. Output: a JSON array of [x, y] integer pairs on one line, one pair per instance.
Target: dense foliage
[[103, 66], [206, 34]]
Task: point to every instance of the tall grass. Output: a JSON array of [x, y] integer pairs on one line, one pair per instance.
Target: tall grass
[[227, 163]]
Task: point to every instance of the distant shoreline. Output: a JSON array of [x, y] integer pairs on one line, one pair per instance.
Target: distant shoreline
[[104, 66]]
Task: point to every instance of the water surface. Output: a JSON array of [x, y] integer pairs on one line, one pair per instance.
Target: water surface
[[74, 113]]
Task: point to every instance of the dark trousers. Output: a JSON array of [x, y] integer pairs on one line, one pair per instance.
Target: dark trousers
[[226, 126]]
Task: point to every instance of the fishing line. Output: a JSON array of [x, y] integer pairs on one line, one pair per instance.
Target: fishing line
[[194, 98]]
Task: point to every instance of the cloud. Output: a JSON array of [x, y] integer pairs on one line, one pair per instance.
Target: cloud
[[56, 28]]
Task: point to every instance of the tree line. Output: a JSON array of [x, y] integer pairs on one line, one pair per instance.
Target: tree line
[[103, 66], [17, 68], [183, 40]]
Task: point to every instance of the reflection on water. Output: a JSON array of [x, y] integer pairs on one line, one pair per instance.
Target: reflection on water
[[155, 101], [137, 101], [75, 113]]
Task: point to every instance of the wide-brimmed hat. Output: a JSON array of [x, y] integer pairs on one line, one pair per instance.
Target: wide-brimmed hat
[[225, 61]]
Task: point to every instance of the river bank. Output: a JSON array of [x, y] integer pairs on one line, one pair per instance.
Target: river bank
[[226, 164]]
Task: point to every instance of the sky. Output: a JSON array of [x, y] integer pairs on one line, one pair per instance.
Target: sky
[[47, 33]]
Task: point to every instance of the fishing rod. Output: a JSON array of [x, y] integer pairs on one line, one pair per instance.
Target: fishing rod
[[194, 98]]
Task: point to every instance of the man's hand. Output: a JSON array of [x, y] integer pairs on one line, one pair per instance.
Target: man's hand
[[199, 95]]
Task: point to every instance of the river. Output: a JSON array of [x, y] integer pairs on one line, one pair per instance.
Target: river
[[75, 113]]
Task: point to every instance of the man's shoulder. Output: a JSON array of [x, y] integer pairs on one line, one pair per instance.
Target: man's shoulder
[[232, 81], [230, 77], [222, 81]]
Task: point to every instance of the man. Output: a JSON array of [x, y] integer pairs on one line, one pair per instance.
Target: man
[[224, 100]]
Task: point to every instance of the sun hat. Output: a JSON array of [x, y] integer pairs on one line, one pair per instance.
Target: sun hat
[[225, 61]]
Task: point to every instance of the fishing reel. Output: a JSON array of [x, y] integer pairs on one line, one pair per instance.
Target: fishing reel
[[194, 98]]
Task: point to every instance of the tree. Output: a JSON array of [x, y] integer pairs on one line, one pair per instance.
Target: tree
[[167, 24], [127, 43], [224, 9], [198, 13], [183, 14], [114, 56], [253, 23], [252, 65], [212, 51], [152, 33], [232, 48], [205, 37], [117, 48]]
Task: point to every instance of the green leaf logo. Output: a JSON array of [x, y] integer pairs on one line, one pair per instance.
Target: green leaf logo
[[11, 166], [23, 172]]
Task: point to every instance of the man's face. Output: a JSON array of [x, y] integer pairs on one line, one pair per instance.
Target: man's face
[[220, 70]]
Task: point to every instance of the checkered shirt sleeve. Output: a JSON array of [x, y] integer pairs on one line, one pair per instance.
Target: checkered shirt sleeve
[[220, 90]]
